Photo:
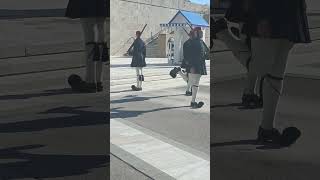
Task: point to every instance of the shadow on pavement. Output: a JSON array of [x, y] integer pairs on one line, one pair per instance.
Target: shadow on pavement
[[113, 92], [118, 113], [149, 65], [235, 143], [247, 142], [78, 118], [239, 105], [226, 105], [135, 98], [47, 165], [36, 95]]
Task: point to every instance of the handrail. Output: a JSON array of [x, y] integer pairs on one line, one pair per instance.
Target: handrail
[[153, 37], [147, 41], [123, 46]]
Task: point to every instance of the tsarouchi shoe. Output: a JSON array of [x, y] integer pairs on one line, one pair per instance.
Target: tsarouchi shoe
[[174, 72], [197, 105]]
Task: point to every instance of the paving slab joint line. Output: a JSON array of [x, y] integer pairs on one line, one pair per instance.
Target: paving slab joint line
[[166, 139], [132, 166], [114, 93], [138, 164], [40, 54], [240, 76], [133, 79], [227, 78], [304, 76]]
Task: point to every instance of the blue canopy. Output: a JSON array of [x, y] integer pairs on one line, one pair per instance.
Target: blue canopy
[[193, 18]]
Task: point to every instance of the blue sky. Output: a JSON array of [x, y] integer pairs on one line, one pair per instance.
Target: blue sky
[[201, 1]]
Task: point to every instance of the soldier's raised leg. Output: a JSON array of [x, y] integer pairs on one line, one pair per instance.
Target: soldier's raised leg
[[242, 53]]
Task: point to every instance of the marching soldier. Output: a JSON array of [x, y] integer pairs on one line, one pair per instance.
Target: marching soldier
[[197, 65], [238, 13], [93, 14], [274, 33], [138, 52], [185, 64]]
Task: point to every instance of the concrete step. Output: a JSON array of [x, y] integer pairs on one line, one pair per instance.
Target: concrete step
[[153, 49]]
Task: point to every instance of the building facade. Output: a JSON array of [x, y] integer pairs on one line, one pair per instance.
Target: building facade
[[127, 17]]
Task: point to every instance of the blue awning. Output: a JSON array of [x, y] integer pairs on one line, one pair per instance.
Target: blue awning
[[190, 18], [195, 18]]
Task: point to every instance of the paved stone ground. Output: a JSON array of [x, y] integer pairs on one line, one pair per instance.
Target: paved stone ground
[[161, 107], [34, 36], [45, 126], [48, 132], [233, 153], [234, 129]]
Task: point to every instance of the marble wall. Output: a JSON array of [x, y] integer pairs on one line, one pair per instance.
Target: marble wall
[[128, 16]]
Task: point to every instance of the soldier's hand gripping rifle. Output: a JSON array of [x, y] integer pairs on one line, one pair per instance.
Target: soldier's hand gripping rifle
[[129, 50]]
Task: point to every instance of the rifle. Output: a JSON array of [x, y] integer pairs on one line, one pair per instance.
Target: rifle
[[185, 30], [190, 26], [133, 41]]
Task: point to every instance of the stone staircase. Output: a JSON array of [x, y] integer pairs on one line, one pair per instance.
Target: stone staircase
[[153, 50]]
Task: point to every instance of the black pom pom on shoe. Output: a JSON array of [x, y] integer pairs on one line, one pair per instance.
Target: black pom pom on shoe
[[289, 136]]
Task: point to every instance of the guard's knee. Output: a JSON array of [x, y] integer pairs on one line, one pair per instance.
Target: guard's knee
[[274, 82], [196, 80], [141, 78], [94, 51], [105, 57]]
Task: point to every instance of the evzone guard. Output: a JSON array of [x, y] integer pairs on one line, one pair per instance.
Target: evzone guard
[[138, 52], [273, 34], [93, 16], [185, 64], [240, 46], [195, 53]]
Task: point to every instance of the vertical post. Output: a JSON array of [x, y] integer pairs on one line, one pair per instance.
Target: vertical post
[[179, 38], [177, 45]]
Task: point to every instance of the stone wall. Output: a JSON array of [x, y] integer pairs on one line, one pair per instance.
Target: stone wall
[[128, 16], [312, 5]]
